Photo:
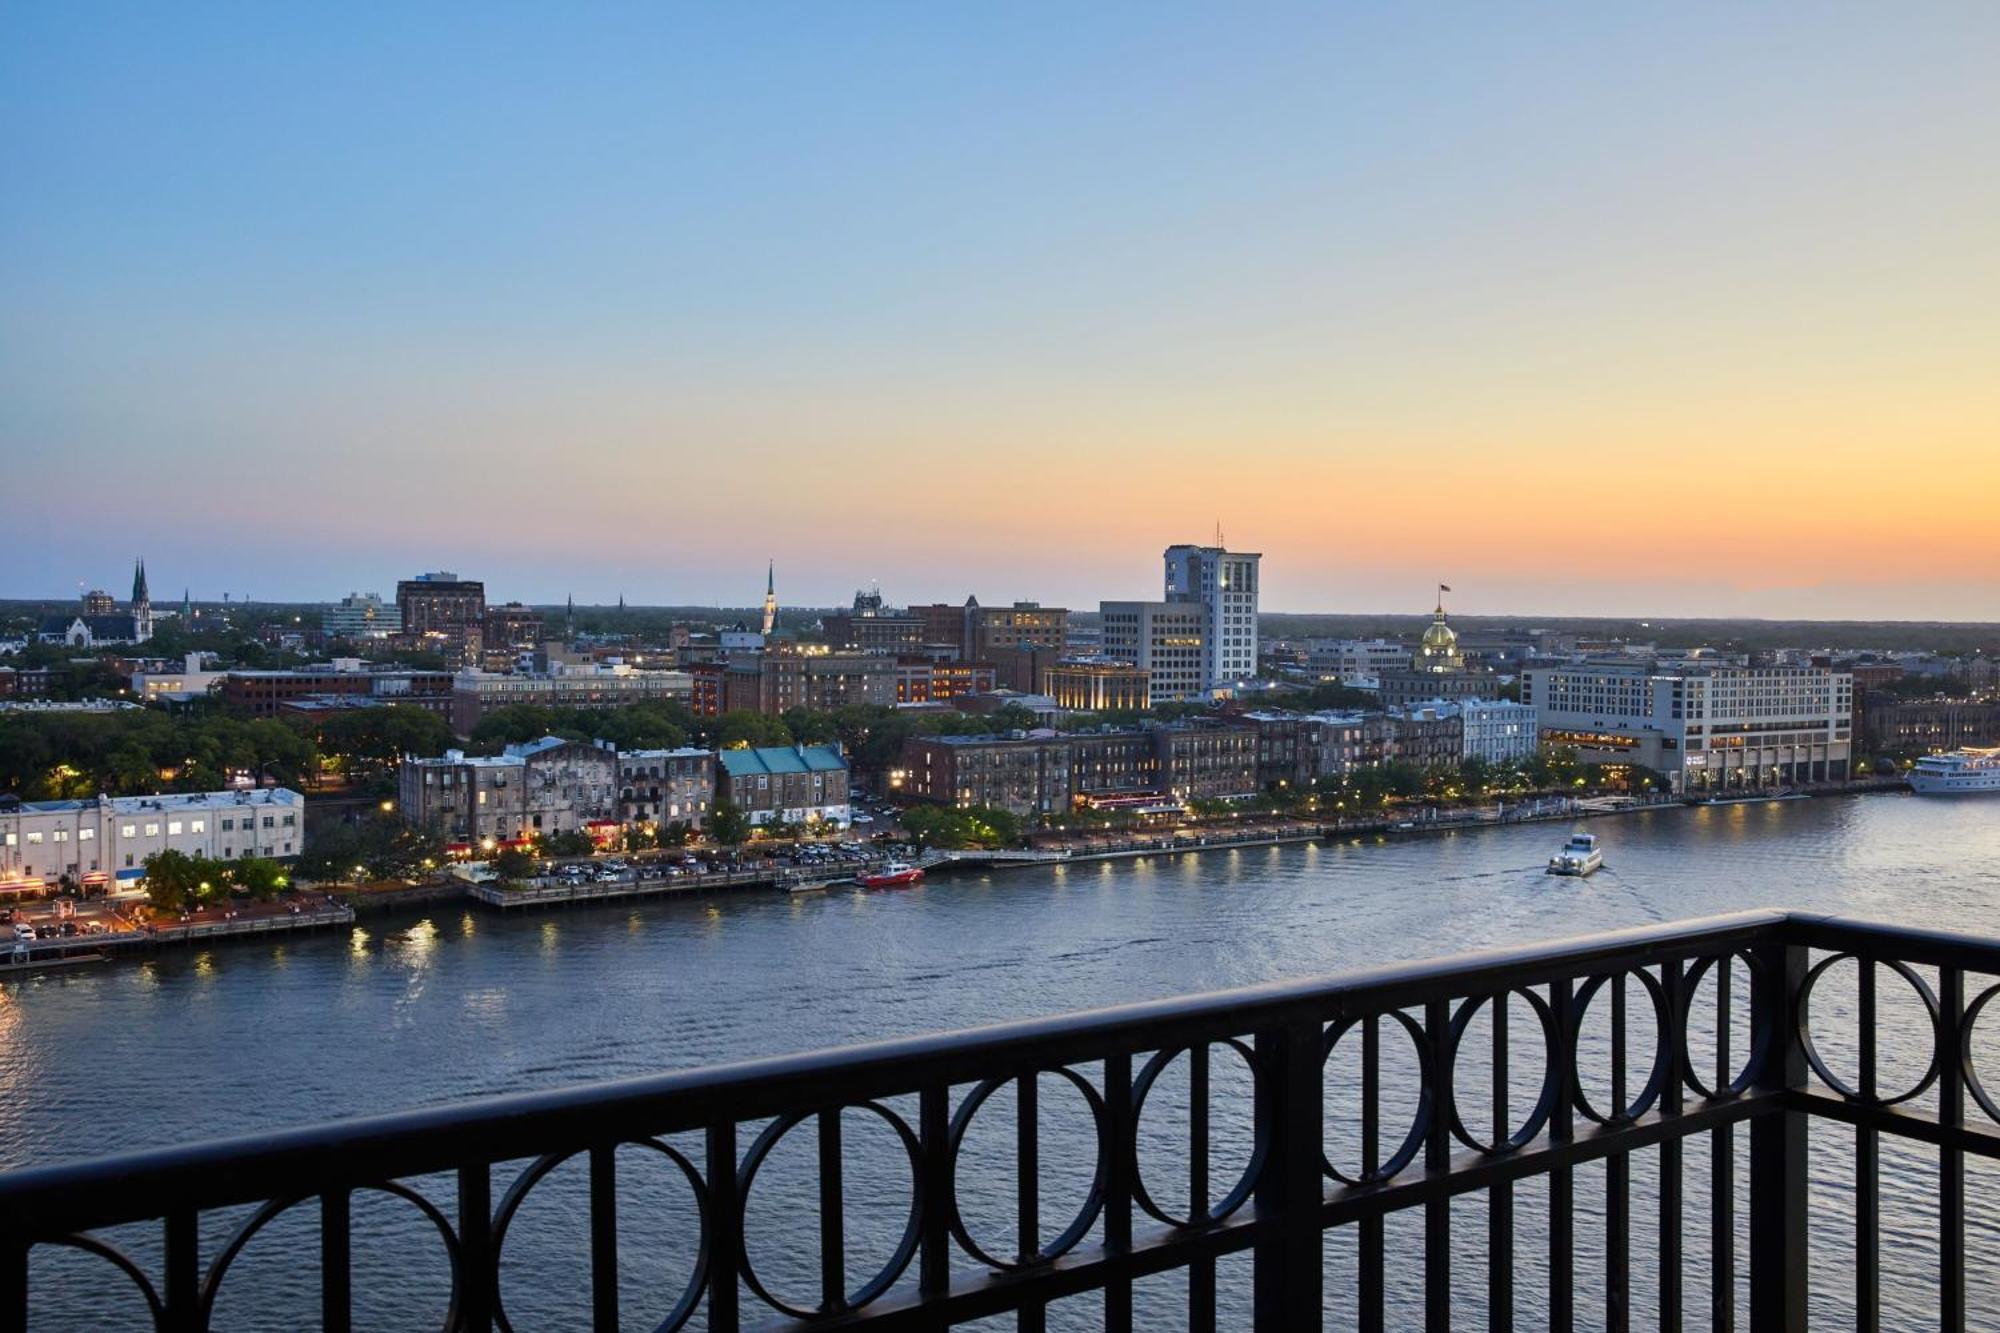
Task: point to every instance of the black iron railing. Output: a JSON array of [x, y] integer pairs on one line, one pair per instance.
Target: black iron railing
[[1463, 1120]]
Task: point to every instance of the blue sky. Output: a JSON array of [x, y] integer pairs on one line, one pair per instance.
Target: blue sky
[[1580, 308]]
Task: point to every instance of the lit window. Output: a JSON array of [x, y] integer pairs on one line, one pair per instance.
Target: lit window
[[152, 830], [173, 827]]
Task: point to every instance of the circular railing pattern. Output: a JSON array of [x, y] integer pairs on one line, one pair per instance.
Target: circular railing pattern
[[1093, 1204], [1802, 1018], [211, 1283], [517, 1193], [1260, 1145], [1968, 1067], [1440, 1048], [1413, 1142], [906, 1248], [1656, 1076], [1545, 1102], [1760, 1044]]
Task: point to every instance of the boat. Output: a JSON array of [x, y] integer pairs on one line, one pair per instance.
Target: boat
[[1959, 773], [1579, 856], [892, 875]]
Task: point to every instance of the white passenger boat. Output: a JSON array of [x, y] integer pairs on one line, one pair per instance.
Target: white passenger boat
[[1579, 856], [1960, 773]]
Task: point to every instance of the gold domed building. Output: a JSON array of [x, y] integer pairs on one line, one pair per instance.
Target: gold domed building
[[1437, 669], [1438, 651]]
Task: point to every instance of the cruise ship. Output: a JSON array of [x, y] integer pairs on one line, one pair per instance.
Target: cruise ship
[[1960, 773]]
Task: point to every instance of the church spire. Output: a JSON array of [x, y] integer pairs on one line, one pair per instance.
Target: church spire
[[139, 594], [770, 597]]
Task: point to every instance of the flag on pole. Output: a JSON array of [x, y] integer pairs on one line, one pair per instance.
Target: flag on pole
[[1444, 587]]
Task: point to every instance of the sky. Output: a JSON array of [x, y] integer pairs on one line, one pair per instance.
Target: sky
[[1689, 309]]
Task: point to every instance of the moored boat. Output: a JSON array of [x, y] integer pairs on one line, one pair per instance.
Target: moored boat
[[1960, 773], [892, 875], [1579, 856]]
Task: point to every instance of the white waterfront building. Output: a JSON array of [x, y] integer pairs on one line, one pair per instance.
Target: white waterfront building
[[1500, 731], [105, 840]]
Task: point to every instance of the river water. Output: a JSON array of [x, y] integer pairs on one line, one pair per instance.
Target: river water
[[451, 1004]]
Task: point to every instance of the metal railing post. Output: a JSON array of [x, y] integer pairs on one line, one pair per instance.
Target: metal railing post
[[1287, 1278], [1778, 1268]]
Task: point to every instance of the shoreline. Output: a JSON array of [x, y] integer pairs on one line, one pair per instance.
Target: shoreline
[[107, 949]]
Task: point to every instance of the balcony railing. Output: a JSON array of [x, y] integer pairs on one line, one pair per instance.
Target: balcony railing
[[1640, 1044]]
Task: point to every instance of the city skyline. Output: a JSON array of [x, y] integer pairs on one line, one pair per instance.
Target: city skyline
[[1610, 314]]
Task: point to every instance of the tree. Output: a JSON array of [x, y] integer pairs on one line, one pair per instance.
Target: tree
[[567, 842], [513, 863], [176, 881], [973, 826], [675, 834], [743, 729], [260, 878], [727, 824]]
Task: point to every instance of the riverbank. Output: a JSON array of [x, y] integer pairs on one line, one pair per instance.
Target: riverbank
[[318, 912]]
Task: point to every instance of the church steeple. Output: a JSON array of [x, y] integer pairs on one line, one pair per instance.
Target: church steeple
[[187, 605], [770, 597], [142, 604]]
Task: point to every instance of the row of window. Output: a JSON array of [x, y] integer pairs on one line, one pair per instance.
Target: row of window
[[175, 828]]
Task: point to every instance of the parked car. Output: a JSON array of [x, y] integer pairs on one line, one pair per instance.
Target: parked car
[[24, 932]]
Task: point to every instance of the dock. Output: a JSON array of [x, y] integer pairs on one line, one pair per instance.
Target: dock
[[24, 956]]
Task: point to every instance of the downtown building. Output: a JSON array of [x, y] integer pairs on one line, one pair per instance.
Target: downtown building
[[1097, 685], [474, 694], [1223, 584], [1154, 768], [786, 784], [484, 802], [443, 613], [1163, 639], [346, 680], [792, 676], [104, 841], [1706, 727], [1018, 639], [361, 615], [666, 786], [1355, 661]]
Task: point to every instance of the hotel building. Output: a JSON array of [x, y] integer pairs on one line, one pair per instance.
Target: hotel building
[[1707, 728]]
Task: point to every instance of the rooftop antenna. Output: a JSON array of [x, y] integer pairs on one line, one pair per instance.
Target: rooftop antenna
[[1218, 534]]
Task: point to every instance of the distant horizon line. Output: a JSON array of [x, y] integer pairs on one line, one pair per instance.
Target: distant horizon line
[[754, 609]]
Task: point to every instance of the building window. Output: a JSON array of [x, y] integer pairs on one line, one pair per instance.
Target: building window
[[152, 830], [86, 835], [197, 826]]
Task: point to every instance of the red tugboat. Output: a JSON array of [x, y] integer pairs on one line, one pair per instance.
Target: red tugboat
[[892, 875]]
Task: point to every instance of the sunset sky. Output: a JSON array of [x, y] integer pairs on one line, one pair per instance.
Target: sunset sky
[[1579, 309]]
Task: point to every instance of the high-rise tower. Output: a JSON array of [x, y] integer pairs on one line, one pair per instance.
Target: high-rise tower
[[1224, 584]]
